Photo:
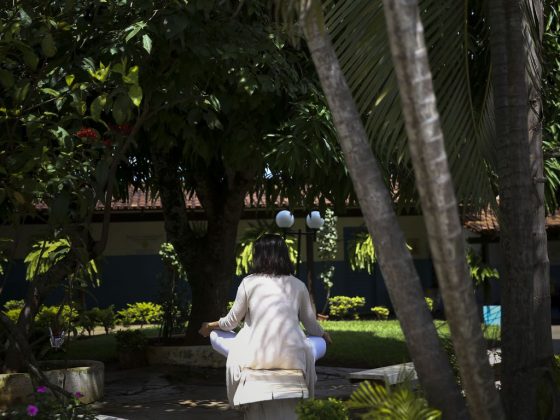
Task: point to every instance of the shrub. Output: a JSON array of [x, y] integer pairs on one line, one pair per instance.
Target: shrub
[[130, 341], [140, 313], [88, 320], [331, 409], [56, 318], [381, 312], [344, 306], [384, 402], [106, 318], [14, 304], [47, 406]]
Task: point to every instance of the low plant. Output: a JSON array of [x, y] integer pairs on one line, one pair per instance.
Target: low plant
[[140, 313], [106, 317], [385, 402], [331, 409], [381, 312], [130, 341], [47, 406], [344, 306]]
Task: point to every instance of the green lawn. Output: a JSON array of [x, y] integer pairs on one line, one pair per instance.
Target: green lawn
[[361, 344]]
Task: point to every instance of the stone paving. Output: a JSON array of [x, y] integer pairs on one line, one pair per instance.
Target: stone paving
[[176, 392]]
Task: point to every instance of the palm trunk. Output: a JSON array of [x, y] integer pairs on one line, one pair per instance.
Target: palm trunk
[[439, 205], [518, 211], [396, 263], [541, 272]]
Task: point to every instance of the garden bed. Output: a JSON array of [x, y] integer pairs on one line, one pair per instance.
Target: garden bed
[[83, 376]]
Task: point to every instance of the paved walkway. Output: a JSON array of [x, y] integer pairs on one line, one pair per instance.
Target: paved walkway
[[175, 392]]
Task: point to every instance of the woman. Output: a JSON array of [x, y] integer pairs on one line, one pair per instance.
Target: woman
[[271, 302]]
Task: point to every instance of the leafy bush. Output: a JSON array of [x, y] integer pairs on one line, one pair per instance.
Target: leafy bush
[[384, 402], [331, 409], [344, 306], [56, 318], [14, 304], [141, 313], [94, 317], [131, 340], [46, 406], [381, 312], [106, 317]]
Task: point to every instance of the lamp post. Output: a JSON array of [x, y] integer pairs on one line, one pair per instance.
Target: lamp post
[[313, 222]]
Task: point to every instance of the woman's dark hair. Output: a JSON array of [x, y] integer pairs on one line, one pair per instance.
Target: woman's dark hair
[[271, 256]]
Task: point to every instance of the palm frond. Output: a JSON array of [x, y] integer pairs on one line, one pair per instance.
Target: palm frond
[[360, 39]]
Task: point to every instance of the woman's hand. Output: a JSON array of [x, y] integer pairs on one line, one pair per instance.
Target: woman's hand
[[205, 329], [327, 337]]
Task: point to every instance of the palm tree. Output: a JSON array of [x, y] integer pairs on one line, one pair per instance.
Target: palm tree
[[395, 260], [457, 40], [516, 77]]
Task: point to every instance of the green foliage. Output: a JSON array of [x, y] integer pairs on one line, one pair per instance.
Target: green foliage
[[331, 408], [169, 257], [140, 313], [130, 340], [361, 253], [381, 312], [244, 254], [46, 254], [94, 317], [429, 303], [480, 272], [344, 306], [59, 99], [56, 317], [14, 304], [175, 307], [397, 403], [327, 244], [45, 406]]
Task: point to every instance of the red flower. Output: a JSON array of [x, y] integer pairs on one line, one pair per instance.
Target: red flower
[[87, 132]]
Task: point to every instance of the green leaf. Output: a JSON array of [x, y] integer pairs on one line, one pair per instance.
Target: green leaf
[[134, 29], [97, 106], [121, 109], [6, 78], [30, 58], [51, 92], [135, 94], [147, 43], [69, 79], [132, 76], [48, 46]]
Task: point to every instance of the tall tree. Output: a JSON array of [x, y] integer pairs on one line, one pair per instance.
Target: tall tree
[[516, 76], [439, 205], [395, 260]]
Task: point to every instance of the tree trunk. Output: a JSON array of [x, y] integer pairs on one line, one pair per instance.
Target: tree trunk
[[207, 257], [521, 235], [541, 274], [439, 205], [396, 263]]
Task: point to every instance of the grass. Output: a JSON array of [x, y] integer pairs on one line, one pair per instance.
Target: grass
[[360, 344]]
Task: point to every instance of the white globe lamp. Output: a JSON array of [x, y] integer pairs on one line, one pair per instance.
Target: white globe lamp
[[285, 219]]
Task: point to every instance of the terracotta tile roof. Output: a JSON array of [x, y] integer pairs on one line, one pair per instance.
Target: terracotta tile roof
[[142, 201], [486, 222]]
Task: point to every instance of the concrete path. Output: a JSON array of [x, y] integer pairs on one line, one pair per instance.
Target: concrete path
[[175, 392]]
